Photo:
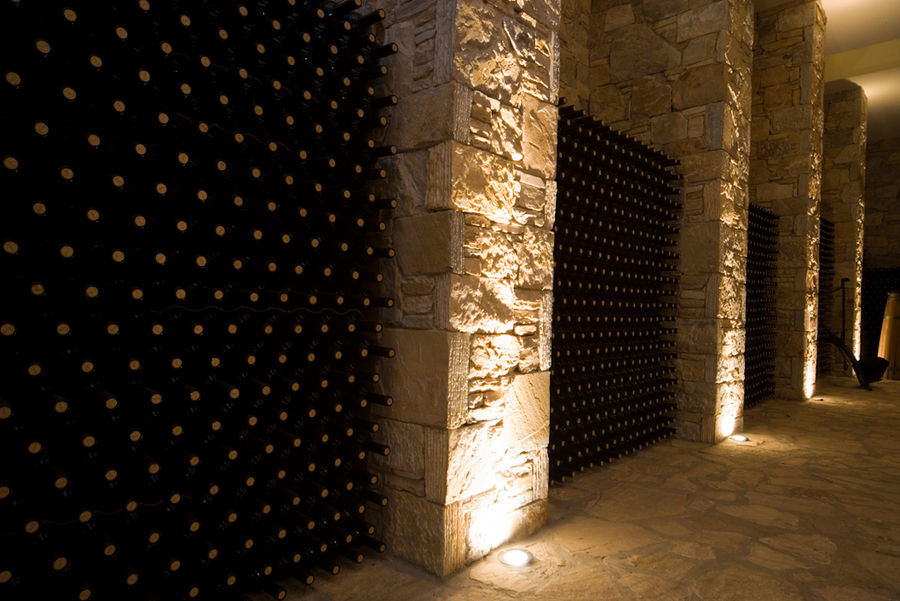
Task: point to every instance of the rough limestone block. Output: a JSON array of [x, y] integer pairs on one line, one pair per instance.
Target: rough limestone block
[[700, 86], [618, 16], [539, 137], [535, 253], [704, 165], [425, 533], [481, 305], [636, 50], [731, 355], [494, 356], [407, 443], [529, 356], [712, 17], [609, 103], [796, 17], [408, 174], [527, 423], [463, 178], [657, 10], [650, 96], [668, 127], [698, 335], [472, 459], [429, 243], [528, 307], [483, 57], [418, 127], [700, 49], [428, 376], [700, 247], [496, 249], [533, 194], [546, 12]]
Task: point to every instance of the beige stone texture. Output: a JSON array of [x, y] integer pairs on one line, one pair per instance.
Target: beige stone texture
[[428, 376], [636, 50], [539, 137], [496, 250], [429, 242], [480, 456], [533, 249], [481, 305], [476, 130]]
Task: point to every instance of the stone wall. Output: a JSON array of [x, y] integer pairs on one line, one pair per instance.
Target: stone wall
[[575, 39], [785, 174], [676, 74], [474, 178], [882, 204], [843, 201]]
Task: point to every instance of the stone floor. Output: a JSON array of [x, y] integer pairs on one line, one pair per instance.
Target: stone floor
[[807, 509]]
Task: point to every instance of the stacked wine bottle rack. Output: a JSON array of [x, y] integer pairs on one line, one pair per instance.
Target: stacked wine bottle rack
[[614, 296], [188, 323], [827, 291], [759, 351]]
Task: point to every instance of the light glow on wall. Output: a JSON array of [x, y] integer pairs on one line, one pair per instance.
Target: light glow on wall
[[490, 526], [809, 370]]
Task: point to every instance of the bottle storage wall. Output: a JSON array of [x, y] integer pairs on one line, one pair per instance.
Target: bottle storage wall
[[827, 291], [614, 290], [190, 284], [759, 352]]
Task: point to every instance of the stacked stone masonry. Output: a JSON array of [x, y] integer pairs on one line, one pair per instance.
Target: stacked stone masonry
[[785, 174], [677, 74], [843, 201], [882, 204], [474, 177], [478, 82]]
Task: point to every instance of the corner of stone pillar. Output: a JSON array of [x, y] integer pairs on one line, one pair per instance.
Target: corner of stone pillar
[[474, 244]]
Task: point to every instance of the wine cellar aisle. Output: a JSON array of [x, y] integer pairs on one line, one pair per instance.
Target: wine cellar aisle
[[192, 260], [612, 376]]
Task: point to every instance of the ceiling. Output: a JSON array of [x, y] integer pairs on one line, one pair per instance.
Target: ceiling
[[862, 44]]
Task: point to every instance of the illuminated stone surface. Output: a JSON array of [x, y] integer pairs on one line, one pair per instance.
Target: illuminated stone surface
[[805, 510], [786, 172], [476, 134]]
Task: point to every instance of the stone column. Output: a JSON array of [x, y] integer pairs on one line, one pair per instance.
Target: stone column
[[785, 174], [676, 74], [843, 200], [476, 130]]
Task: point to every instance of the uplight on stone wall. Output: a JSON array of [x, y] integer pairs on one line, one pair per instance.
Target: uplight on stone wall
[[475, 126]]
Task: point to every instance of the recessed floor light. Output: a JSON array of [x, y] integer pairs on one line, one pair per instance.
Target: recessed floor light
[[516, 558], [739, 438]]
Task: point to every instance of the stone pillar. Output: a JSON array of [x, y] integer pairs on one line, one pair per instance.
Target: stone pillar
[[843, 200], [882, 204], [676, 74], [476, 130], [785, 174]]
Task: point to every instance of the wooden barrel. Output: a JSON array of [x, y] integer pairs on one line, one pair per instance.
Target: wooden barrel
[[889, 344]]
